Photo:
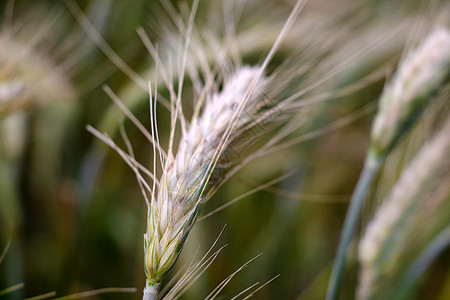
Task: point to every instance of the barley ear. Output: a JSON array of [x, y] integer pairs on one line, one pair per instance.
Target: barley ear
[[407, 95], [416, 206], [28, 78], [419, 75], [185, 183]]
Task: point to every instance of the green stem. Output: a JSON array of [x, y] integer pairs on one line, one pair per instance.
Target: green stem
[[370, 170], [150, 291]]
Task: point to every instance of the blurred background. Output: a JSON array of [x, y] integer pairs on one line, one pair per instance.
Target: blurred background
[[71, 209]]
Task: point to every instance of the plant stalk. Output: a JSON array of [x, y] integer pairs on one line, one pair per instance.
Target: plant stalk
[[370, 171], [150, 291]]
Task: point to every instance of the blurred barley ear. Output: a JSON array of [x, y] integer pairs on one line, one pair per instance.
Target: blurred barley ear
[[408, 94], [415, 207], [405, 97], [29, 78]]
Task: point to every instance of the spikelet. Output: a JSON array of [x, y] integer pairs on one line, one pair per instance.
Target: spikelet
[[410, 212], [409, 92]]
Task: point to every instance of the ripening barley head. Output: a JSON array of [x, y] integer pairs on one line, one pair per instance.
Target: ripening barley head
[[413, 211], [418, 76], [185, 181], [231, 101]]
